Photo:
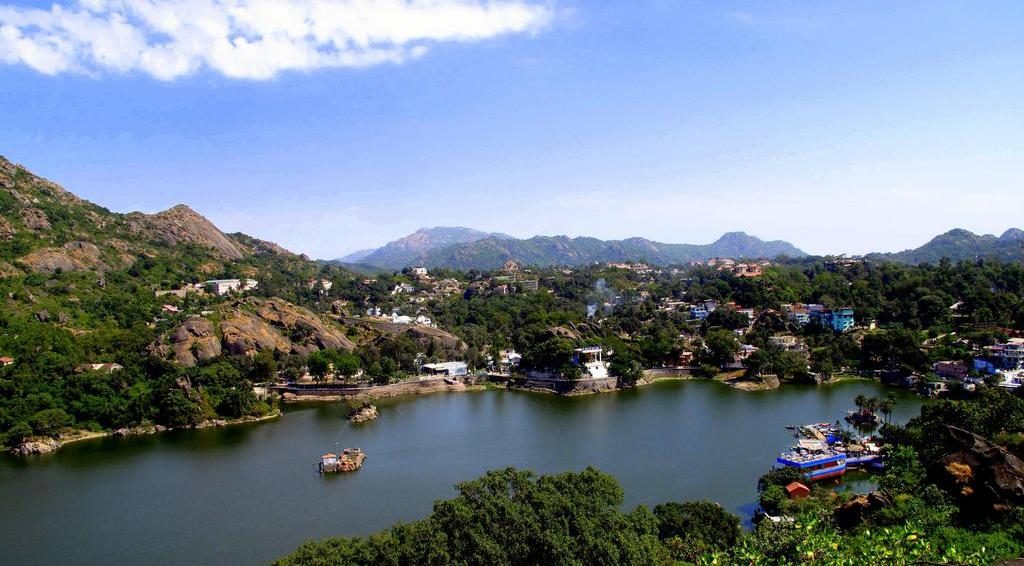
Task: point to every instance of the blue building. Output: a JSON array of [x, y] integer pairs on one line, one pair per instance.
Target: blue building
[[839, 320], [701, 310]]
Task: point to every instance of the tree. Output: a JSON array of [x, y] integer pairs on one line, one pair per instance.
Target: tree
[[886, 406], [860, 400], [18, 433], [264, 367], [511, 517], [236, 402], [347, 364], [49, 422], [772, 499], [779, 476], [721, 346], [178, 410], [319, 366], [626, 368], [696, 527], [728, 318], [903, 471]]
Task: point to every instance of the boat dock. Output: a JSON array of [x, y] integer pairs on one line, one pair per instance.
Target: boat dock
[[825, 451]]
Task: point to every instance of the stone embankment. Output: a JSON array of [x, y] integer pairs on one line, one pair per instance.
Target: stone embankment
[[293, 394]]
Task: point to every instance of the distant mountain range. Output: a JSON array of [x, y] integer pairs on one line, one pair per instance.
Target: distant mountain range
[[409, 250], [960, 244], [463, 248]]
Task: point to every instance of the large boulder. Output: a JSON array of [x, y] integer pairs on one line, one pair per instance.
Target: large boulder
[[36, 446], [72, 256], [985, 476], [303, 327], [35, 219], [246, 334], [195, 340], [857, 509], [6, 230]]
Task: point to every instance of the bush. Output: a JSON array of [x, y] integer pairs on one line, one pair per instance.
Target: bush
[[18, 433], [694, 528], [772, 499], [49, 422]]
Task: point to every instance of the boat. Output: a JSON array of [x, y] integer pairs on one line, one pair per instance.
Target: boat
[[350, 460], [816, 466]]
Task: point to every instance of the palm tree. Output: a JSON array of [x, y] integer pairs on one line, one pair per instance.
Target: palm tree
[[886, 405], [870, 405], [859, 401]]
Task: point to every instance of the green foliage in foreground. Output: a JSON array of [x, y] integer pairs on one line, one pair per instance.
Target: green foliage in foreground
[[511, 517], [515, 517]]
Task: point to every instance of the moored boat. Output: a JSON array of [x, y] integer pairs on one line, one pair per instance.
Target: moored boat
[[350, 460], [816, 466]]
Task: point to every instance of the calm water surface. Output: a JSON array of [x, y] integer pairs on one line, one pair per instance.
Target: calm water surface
[[249, 493]]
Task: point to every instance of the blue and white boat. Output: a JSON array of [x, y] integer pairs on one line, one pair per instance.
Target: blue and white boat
[[816, 466]]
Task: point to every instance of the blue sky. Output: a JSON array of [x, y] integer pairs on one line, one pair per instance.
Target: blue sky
[[839, 126]]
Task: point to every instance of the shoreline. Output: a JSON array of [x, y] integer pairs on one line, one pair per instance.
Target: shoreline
[[403, 389], [734, 380], [38, 447]]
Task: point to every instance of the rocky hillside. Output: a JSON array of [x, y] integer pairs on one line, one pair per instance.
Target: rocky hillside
[[247, 326], [47, 229], [67, 262], [492, 252], [960, 244]]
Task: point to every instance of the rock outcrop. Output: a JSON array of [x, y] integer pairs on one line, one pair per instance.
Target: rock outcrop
[[249, 326], [245, 334], [182, 225], [35, 219], [72, 256], [6, 230], [363, 413], [194, 341], [985, 475], [36, 446], [854, 511]]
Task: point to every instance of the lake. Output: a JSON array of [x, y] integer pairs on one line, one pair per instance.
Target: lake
[[247, 494]]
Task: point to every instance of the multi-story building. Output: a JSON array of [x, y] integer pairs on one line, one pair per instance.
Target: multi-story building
[[1007, 355], [225, 286], [787, 343], [701, 310], [950, 370]]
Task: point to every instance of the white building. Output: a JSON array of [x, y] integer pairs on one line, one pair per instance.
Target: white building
[[419, 271], [403, 288], [324, 284], [509, 360], [446, 368], [591, 361], [225, 286], [1009, 354]]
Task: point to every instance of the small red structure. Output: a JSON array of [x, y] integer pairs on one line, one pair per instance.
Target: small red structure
[[797, 490]]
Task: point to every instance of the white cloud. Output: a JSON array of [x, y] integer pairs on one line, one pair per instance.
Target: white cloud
[[249, 39]]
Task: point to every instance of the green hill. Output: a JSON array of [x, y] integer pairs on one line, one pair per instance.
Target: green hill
[[959, 245]]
